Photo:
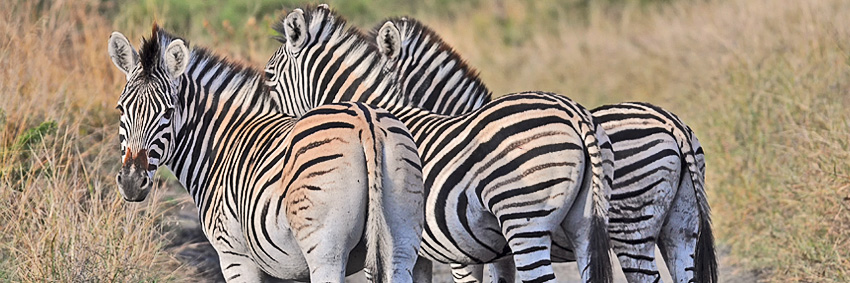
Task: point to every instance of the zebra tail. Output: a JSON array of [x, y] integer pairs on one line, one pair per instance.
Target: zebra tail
[[705, 259], [378, 237], [601, 157]]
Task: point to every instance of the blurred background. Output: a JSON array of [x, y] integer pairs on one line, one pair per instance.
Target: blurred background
[[765, 84]]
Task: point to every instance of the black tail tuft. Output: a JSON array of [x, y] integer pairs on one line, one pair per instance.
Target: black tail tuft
[[600, 259], [705, 260]]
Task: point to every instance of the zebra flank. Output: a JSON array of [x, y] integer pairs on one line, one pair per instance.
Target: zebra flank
[[310, 198], [520, 175], [646, 138]]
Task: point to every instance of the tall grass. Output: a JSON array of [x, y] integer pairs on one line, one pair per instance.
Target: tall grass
[[60, 216]]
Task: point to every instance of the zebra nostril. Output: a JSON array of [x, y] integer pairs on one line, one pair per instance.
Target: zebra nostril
[[118, 178]]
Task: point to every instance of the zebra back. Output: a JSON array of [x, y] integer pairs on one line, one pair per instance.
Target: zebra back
[[322, 60], [431, 74]]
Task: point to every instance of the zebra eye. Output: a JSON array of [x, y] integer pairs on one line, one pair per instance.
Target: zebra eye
[[120, 109], [168, 112], [269, 75], [166, 117]]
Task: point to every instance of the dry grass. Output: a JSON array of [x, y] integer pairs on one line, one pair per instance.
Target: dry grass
[[60, 216], [764, 83]]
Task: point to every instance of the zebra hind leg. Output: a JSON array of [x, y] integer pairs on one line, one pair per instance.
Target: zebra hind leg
[[638, 261], [634, 231], [327, 265], [239, 268], [503, 271], [582, 231], [462, 273], [678, 237], [532, 255]]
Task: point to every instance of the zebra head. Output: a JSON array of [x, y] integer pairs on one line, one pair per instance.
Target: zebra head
[[323, 60], [147, 106], [283, 73]]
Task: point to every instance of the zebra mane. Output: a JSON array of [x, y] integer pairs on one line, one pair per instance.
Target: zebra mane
[[150, 55], [324, 25], [412, 30]]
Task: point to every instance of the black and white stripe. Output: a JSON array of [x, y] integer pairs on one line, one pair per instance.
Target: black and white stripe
[[316, 197], [654, 150], [515, 175], [659, 196]]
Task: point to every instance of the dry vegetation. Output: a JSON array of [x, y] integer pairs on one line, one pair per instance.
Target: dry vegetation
[[764, 83], [60, 218]]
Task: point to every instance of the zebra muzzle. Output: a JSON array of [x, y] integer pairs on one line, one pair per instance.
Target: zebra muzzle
[[133, 180]]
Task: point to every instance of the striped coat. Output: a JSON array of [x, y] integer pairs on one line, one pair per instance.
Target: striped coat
[[317, 197], [523, 173], [658, 195]]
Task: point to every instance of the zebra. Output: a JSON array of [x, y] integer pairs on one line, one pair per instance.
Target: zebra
[[524, 172], [315, 197], [658, 195]]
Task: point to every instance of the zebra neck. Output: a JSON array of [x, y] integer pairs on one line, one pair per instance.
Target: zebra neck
[[346, 79], [442, 83], [221, 105], [433, 76]]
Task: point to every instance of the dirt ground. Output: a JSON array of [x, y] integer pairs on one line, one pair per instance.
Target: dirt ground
[[191, 247]]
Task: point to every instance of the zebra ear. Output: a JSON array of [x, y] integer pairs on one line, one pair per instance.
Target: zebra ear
[[123, 54], [176, 58], [389, 40], [295, 29]]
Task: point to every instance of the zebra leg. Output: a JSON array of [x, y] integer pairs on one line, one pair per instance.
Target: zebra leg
[[637, 261], [679, 235], [634, 226], [532, 256], [462, 273], [328, 231], [239, 268], [327, 263], [503, 271]]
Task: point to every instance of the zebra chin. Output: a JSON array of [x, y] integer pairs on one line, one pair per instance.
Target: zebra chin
[[134, 185]]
